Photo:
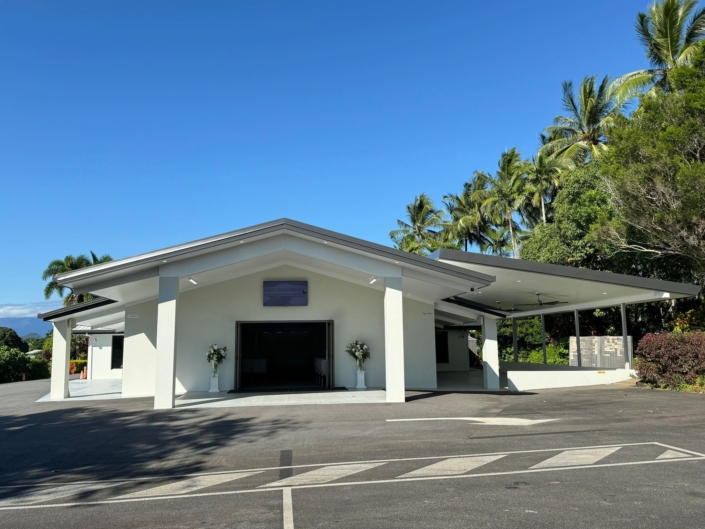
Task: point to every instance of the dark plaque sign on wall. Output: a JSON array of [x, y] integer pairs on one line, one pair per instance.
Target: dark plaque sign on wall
[[285, 293]]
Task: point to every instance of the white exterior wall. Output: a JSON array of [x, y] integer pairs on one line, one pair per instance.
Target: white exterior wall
[[458, 354], [530, 380], [419, 345], [100, 358], [208, 315], [140, 350]]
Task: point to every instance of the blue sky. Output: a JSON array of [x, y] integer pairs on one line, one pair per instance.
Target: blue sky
[[133, 125]]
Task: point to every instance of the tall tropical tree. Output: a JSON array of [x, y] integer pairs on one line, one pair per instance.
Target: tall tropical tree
[[419, 232], [497, 242], [581, 133], [67, 264], [544, 176], [670, 32], [468, 222], [506, 195]]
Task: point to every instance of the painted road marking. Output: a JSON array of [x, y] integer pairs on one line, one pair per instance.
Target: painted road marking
[[188, 485], [672, 454], [54, 493], [452, 467], [491, 421], [577, 457], [574, 465], [288, 508], [323, 475]]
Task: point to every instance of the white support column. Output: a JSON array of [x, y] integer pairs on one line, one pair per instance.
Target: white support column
[[625, 337], [394, 339], [165, 382], [490, 353], [60, 358]]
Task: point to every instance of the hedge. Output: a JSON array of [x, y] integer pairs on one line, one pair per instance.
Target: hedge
[[14, 364], [670, 360]]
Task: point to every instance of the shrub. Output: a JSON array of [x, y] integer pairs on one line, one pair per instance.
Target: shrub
[[38, 368], [555, 355], [13, 364], [671, 360], [76, 366]]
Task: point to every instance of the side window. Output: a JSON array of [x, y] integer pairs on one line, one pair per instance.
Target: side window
[[442, 348], [118, 345]]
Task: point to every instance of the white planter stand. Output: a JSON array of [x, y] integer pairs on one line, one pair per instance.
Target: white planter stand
[[214, 383], [360, 379]]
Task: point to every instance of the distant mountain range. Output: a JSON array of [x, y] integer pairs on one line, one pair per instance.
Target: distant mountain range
[[24, 326]]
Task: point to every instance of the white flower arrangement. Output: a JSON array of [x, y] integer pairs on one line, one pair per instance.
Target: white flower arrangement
[[359, 351], [216, 356]]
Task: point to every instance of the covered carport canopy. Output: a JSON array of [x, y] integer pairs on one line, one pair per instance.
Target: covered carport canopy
[[527, 288]]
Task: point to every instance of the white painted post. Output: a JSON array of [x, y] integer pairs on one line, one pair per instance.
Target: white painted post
[[577, 337], [165, 383], [60, 358], [490, 353], [625, 336], [515, 341], [394, 339]]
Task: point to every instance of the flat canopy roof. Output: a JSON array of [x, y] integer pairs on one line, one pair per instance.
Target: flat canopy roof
[[521, 284]]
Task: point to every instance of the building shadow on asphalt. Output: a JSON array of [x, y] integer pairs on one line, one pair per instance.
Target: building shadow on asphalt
[[90, 443], [432, 394]]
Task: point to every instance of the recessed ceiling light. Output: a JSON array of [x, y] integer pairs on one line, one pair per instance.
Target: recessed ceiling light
[[241, 242], [518, 280], [164, 261], [396, 262], [192, 280], [605, 293], [373, 280]]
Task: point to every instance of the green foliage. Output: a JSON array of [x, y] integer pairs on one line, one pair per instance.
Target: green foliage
[[419, 233], [556, 354], [37, 369], [672, 360], [655, 172], [34, 343], [13, 364], [9, 338], [67, 264]]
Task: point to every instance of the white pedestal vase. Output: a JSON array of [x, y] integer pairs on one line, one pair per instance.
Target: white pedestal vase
[[360, 379], [214, 384]]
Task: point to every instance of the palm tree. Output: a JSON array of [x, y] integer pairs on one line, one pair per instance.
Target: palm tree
[[508, 192], [590, 113], [468, 222], [67, 264], [544, 175], [497, 242], [669, 35], [419, 233]]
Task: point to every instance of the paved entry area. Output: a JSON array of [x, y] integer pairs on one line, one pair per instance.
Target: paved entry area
[[610, 457], [194, 399]]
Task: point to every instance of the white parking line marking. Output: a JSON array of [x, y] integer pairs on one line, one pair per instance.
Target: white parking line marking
[[288, 509], [672, 454], [53, 493], [452, 467], [188, 485], [577, 457], [491, 421], [322, 475]]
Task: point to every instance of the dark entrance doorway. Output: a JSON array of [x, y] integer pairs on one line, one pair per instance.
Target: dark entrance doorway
[[284, 356]]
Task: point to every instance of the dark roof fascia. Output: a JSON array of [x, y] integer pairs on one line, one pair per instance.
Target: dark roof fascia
[[473, 305], [158, 256], [96, 332], [75, 309], [569, 272]]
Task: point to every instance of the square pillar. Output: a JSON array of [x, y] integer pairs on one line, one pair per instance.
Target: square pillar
[[165, 383], [490, 353], [60, 358], [394, 339]]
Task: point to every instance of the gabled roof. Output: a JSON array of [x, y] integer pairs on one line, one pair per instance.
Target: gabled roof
[[152, 260]]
